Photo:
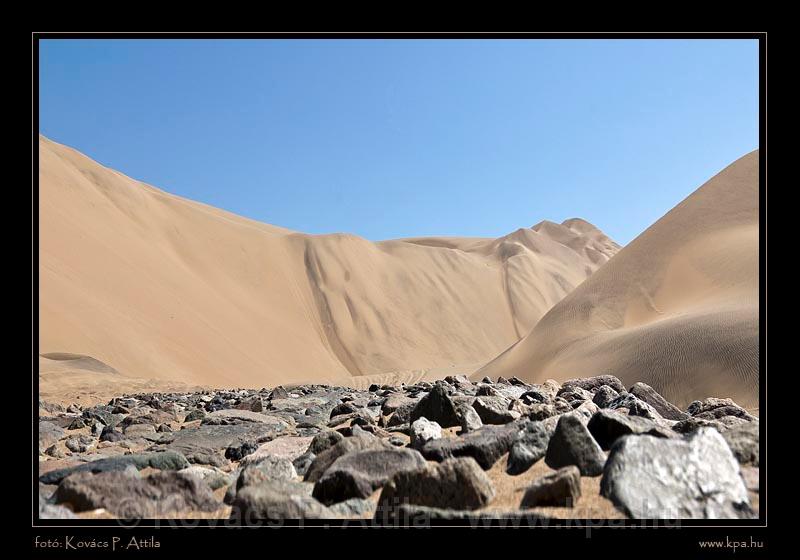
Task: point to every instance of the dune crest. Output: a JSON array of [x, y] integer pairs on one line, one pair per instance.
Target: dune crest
[[159, 287], [677, 308]]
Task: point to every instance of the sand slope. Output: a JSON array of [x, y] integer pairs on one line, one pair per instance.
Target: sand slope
[[677, 308], [159, 287]]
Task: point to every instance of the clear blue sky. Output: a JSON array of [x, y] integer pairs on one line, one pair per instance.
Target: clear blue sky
[[404, 138]]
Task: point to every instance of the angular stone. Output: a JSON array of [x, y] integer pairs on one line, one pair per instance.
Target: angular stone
[[49, 434], [437, 407], [358, 474], [494, 410], [722, 425], [529, 446], [422, 431], [714, 409], [195, 414], [744, 442], [136, 497], [324, 460], [594, 383], [467, 417], [604, 396], [486, 445], [276, 500], [166, 460], [454, 483], [572, 444], [559, 489], [666, 409], [693, 478], [607, 426]]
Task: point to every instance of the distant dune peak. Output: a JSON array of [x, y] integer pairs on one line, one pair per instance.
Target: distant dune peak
[[677, 308], [161, 287]]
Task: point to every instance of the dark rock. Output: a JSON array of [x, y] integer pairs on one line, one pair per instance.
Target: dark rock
[[455, 483], [604, 396], [373, 388], [528, 447], [276, 500], [543, 411], [240, 450], [166, 460], [722, 425], [354, 507], [110, 434], [559, 489], [279, 393], [486, 391], [486, 445], [358, 474], [195, 414], [594, 383], [714, 409], [49, 434], [303, 462], [634, 406], [574, 395], [136, 497], [77, 424], [536, 396], [324, 440], [395, 401], [324, 460], [487, 379], [468, 418], [397, 441], [607, 426], [666, 409], [343, 408], [437, 407], [494, 410], [403, 414], [693, 478], [572, 444], [744, 442]]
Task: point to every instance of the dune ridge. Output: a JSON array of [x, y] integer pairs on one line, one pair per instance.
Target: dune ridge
[[160, 287], [677, 308]]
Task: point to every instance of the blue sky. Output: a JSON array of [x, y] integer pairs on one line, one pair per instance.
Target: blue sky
[[401, 138]]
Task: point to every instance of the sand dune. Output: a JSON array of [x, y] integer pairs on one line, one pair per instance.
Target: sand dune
[[677, 308], [159, 287]]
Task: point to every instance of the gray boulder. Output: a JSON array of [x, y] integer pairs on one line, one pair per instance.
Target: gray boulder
[[693, 478], [135, 497], [607, 426], [573, 444], [358, 474], [455, 483], [559, 489], [744, 442], [486, 445], [437, 407], [422, 431], [529, 446]]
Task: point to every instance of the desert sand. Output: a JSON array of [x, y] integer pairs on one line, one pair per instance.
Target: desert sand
[[161, 289], [677, 308]]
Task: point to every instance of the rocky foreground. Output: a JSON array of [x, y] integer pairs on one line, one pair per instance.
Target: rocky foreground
[[450, 450]]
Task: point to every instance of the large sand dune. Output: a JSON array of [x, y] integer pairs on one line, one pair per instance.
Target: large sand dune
[[159, 287], [677, 308]]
